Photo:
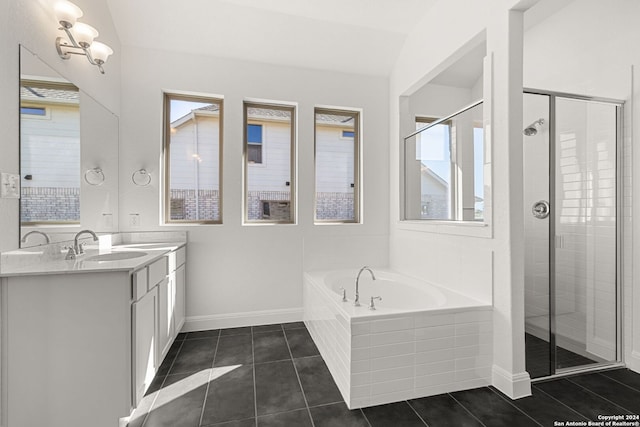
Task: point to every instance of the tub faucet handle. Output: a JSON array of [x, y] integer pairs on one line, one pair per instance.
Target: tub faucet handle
[[372, 305], [344, 294]]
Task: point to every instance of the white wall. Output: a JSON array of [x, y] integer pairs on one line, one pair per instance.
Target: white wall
[[486, 264], [589, 48], [32, 23], [233, 268]]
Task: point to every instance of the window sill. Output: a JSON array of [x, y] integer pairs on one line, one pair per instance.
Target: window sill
[[458, 228]]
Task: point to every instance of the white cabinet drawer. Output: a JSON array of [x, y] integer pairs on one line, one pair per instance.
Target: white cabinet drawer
[[157, 271], [181, 255], [139, 284], [176, 259]]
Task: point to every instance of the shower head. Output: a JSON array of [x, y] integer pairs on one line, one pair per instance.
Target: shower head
[[533, 128]]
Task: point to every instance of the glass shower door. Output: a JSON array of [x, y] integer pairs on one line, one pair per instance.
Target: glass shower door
[[585, 229]]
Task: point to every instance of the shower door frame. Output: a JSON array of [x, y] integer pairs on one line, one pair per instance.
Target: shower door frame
[[554, 371]]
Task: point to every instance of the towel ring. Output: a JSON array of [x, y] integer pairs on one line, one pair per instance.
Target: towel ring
[[141, 177], [94, 176]]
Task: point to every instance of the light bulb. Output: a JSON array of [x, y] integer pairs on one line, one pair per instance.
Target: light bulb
[[84, 34], [67, 13], [100, 52]]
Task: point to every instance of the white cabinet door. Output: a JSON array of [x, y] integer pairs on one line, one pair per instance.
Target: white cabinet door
[[144, 342], [166, 302], [180, 298]]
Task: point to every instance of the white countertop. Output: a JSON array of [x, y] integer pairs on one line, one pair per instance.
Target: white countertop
[[31, 263]]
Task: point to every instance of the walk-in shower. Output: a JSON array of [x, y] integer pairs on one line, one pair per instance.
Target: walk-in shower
[[571, 199]]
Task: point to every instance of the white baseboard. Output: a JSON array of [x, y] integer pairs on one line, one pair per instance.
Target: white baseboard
[[633, 362], [234, 320], [514, 386]]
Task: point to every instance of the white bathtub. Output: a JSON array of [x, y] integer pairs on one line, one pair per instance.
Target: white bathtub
[[421, 340]]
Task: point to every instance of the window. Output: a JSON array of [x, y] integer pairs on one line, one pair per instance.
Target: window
[[444, 163], [33, 111], [269, 163], [192, 153], [254, 143], [337, 165]]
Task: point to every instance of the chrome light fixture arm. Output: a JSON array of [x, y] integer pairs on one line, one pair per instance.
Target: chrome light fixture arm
[[65, 54]]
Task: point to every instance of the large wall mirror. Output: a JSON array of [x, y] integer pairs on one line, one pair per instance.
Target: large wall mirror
[[442, 138], [68, 157]]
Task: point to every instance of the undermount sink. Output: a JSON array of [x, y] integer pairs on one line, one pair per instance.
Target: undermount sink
[[116, 256]]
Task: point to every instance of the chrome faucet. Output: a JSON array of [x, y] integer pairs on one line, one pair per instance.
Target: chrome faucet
[[46, 236], [373, 276], [77, 248]]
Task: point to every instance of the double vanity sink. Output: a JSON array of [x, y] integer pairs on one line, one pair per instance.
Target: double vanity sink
[[83, 338]]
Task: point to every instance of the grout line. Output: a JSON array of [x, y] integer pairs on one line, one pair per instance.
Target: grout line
[[517, 409], [416, 412], [255, 392], [206, 393], [365, 417], [619, 382], [559, 401], [151, 407], [619, 405], [295, 369], [327, 404], [466, 409]]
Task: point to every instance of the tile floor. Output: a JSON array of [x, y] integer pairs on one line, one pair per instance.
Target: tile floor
[[272, 375]]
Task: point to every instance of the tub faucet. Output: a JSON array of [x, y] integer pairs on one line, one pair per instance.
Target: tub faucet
[[373, 276], [77, 248], [46, 236]]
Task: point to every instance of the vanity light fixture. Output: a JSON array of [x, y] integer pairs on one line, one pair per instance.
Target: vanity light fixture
[[79, 36]]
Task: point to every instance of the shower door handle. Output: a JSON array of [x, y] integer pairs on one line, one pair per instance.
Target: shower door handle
[[541, 209]]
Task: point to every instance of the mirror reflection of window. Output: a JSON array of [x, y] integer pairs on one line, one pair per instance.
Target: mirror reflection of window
[[49, 152]]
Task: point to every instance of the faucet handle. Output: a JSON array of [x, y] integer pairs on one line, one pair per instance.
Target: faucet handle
[[71, 253], [372, 305], [344, 294], [81, 248]]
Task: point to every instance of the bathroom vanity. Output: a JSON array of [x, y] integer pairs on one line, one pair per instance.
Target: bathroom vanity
[[82, 339]]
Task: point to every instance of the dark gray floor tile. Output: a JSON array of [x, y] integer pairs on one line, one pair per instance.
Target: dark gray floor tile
[[180, 404], [317, 383], [300, 343], [492, 409], [270, 346], [249, 422], [181, 336], [266, 328], [398, 414], [194, 356], [234, 350], [578, 399], [611, 390], [625, 376], [277, 388], [294, 325], [244, 330], [299, 418], [337, 415], [155, 385], [443, 411], [212, 333], [169, 358], [545, 410], [230, 395]]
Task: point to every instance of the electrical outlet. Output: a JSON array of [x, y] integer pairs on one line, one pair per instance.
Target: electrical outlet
[[134, 220], [9, 186]]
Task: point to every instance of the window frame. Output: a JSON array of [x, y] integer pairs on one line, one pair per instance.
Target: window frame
[[166, 154], [357, 164], [292, 108]]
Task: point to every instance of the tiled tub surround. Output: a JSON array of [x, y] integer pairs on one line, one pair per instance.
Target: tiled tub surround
[[438, 342]]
